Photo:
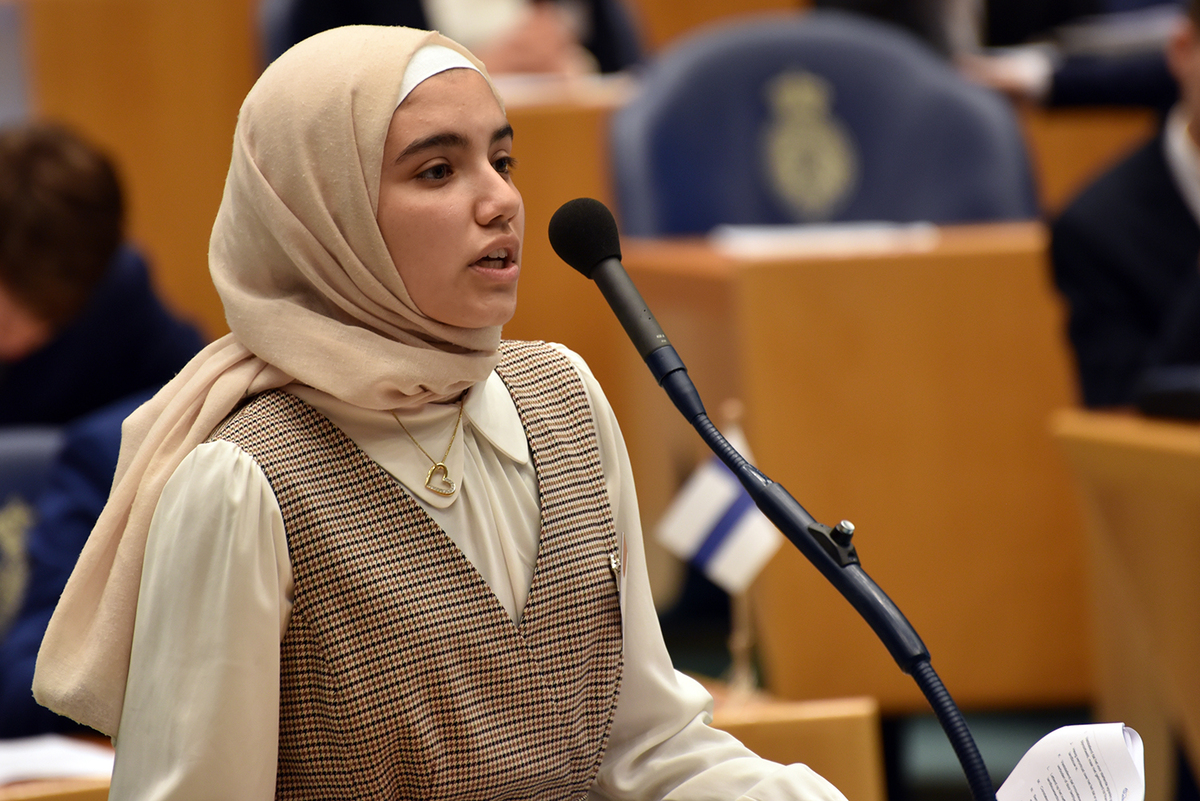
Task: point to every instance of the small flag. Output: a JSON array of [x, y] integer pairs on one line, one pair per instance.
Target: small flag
[[714, 524]]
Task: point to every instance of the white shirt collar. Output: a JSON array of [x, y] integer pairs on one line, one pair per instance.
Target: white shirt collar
[[488, 412], [492, 412], [1183, 159]]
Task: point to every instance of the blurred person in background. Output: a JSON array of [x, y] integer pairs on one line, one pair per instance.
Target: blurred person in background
[[80, 324], [510, 36], [1050, 52], [1125, 251]]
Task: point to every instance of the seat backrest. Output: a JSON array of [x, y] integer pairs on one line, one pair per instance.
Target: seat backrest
[[813, 117], [26, 455]]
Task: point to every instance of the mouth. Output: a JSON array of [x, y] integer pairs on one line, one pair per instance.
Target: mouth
[[498, 258]]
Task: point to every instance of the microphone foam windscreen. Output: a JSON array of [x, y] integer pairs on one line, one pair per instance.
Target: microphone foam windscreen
[[583, 233]]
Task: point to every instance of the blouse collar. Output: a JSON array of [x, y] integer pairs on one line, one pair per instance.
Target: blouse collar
[[391, 440]]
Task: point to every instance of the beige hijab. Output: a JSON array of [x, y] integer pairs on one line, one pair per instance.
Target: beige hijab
[[311, 296]]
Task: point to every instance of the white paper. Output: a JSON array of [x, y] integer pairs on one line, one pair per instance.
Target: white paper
[[51, 756], [1092, 762], [832, 239]]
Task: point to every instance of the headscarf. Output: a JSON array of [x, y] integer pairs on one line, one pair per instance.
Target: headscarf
[[311, 296]]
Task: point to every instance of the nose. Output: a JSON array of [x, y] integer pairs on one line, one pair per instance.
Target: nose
[[499, 200]]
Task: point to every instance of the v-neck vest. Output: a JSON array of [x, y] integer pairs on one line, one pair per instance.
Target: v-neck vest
[[402, 676]]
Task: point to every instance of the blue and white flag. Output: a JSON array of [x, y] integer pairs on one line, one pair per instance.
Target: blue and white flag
[[714, 524]]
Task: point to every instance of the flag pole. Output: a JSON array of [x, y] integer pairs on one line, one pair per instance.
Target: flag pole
[[742, 679]]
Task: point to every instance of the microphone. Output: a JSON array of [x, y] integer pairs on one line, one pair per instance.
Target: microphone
[[584, 234]]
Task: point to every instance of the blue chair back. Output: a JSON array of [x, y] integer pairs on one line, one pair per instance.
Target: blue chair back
[[26, 455], [814, 117]]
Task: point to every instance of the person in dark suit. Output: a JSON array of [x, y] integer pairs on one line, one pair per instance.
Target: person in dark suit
[[1125, 252], [961, 30], [65, 512], [80, 324]]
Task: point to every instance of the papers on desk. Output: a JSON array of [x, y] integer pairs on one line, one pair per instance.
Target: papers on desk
[[51, 756], [1093, 762], [1140, 30], [835, 239]]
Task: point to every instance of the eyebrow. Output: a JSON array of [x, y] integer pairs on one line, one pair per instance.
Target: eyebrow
[[449, 139]]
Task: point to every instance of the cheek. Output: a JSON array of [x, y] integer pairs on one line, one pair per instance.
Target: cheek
[[425, 249], [406, 229]]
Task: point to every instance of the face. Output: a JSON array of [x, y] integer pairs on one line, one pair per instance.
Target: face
[[21, 331], [1183, 57], [448, 210]]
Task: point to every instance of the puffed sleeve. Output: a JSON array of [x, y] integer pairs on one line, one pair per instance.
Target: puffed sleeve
[[201, 711], [661, 745]]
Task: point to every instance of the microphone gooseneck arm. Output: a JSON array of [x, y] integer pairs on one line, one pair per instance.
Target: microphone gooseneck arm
[[651, 343], [584, 235]]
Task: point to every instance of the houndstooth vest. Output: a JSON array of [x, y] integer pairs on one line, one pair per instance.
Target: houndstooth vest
[[402, 676]]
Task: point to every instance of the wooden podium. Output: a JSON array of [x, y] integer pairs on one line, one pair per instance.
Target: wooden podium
[[1140, 480], [58, 790], [906, 390]]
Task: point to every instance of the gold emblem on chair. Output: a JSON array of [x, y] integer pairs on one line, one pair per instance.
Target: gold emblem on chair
[[809, 157], [16, 517]]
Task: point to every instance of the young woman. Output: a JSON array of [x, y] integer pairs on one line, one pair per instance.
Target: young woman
[[361, 548]]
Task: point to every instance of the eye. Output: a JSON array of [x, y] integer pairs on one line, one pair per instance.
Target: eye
[[437, 172], [505, 164]]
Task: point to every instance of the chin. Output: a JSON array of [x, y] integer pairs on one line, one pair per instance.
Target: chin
[[484, 320]]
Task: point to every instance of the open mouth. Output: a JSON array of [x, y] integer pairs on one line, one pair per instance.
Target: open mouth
[[495, 260]]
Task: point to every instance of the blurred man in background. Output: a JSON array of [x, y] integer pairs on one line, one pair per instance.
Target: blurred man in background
[[1125, 252]]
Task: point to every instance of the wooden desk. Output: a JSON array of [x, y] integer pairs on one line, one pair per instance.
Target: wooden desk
[[840, 738], [58, 790], [1140, 481], [909, 393]]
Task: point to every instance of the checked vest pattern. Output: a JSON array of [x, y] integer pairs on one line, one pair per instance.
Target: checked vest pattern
[[402, 676]]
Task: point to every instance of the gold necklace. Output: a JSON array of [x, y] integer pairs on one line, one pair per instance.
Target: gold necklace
[[445, 486]]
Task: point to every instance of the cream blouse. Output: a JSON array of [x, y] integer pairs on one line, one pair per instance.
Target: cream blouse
[[201, 712]]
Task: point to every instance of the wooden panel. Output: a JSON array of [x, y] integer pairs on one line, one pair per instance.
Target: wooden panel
[[908, 393], [839, 739], [561, 147], [1140, 480], [926, 382], [157, 84]]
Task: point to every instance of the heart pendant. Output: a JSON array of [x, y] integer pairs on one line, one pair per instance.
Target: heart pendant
[[444, 486]]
